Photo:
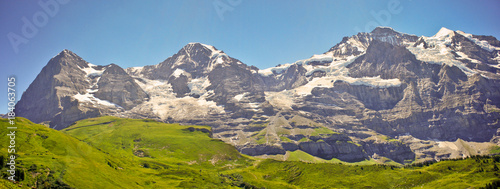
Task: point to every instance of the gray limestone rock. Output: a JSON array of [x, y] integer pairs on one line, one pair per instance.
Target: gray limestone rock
[[118, 87], [296, 106]]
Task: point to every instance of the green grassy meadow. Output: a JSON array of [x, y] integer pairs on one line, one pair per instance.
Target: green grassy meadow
[[110, 152]]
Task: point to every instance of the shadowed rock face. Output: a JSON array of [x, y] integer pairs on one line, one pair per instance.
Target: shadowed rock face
[[397, 151], [262, 149], [193, 57], [388, 61], [229, 81], [118, 87], [291, 78], [329, 149], [462, 44], [368, 88], [356, 44], [372, 97], [180, 85], [51, 98], [490, 39], [48, 96]]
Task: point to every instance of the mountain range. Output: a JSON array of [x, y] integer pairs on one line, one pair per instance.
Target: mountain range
[[378, 95]]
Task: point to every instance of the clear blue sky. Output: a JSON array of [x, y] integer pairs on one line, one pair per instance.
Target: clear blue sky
[[257, 32]]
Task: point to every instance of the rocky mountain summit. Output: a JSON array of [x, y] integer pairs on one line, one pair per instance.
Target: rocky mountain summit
[[382, 95], [69, 89]]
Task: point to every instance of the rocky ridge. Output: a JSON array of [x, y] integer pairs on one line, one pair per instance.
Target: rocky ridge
[[382, 93]]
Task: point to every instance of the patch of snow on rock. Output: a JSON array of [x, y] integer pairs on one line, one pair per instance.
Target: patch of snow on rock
[[439, 51], [240, 96], [90, 98], [198, 86], [178, 72], [91, 71], [164, 103], [483, 44]]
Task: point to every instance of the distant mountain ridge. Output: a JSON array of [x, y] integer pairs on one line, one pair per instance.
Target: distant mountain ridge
[[382, 93]]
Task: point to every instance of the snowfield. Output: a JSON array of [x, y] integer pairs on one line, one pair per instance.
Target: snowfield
[[93, 76], [164, 104], [439, 51]]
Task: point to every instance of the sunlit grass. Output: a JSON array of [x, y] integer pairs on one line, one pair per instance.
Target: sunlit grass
[[110, 152]]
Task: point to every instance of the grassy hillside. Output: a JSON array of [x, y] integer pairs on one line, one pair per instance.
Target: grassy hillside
[[100, 154], [472, 172], [109, 152]]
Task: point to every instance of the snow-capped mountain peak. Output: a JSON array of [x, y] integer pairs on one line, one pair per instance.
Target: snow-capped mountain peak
[[199, 56], [357, 44], [444, 33], [64, 52], [194, 48], [460, 49], [482, 43], [384, 30], [370, 84]]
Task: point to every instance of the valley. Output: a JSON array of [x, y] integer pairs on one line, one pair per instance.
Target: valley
[[110, 152]]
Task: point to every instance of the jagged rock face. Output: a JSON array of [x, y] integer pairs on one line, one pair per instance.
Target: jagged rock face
[[118, 87], [226, 76], [397, 151], [357, 44], [334, 146], [447, 114], [70, 89], [489, 39], [389, 61], [48, 96], [180, 85], [374, 94], [193, 57], [371, 97], [463, 44], [262, 149], [421, 42], [291, 78], [229, 81], [390, 36]]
